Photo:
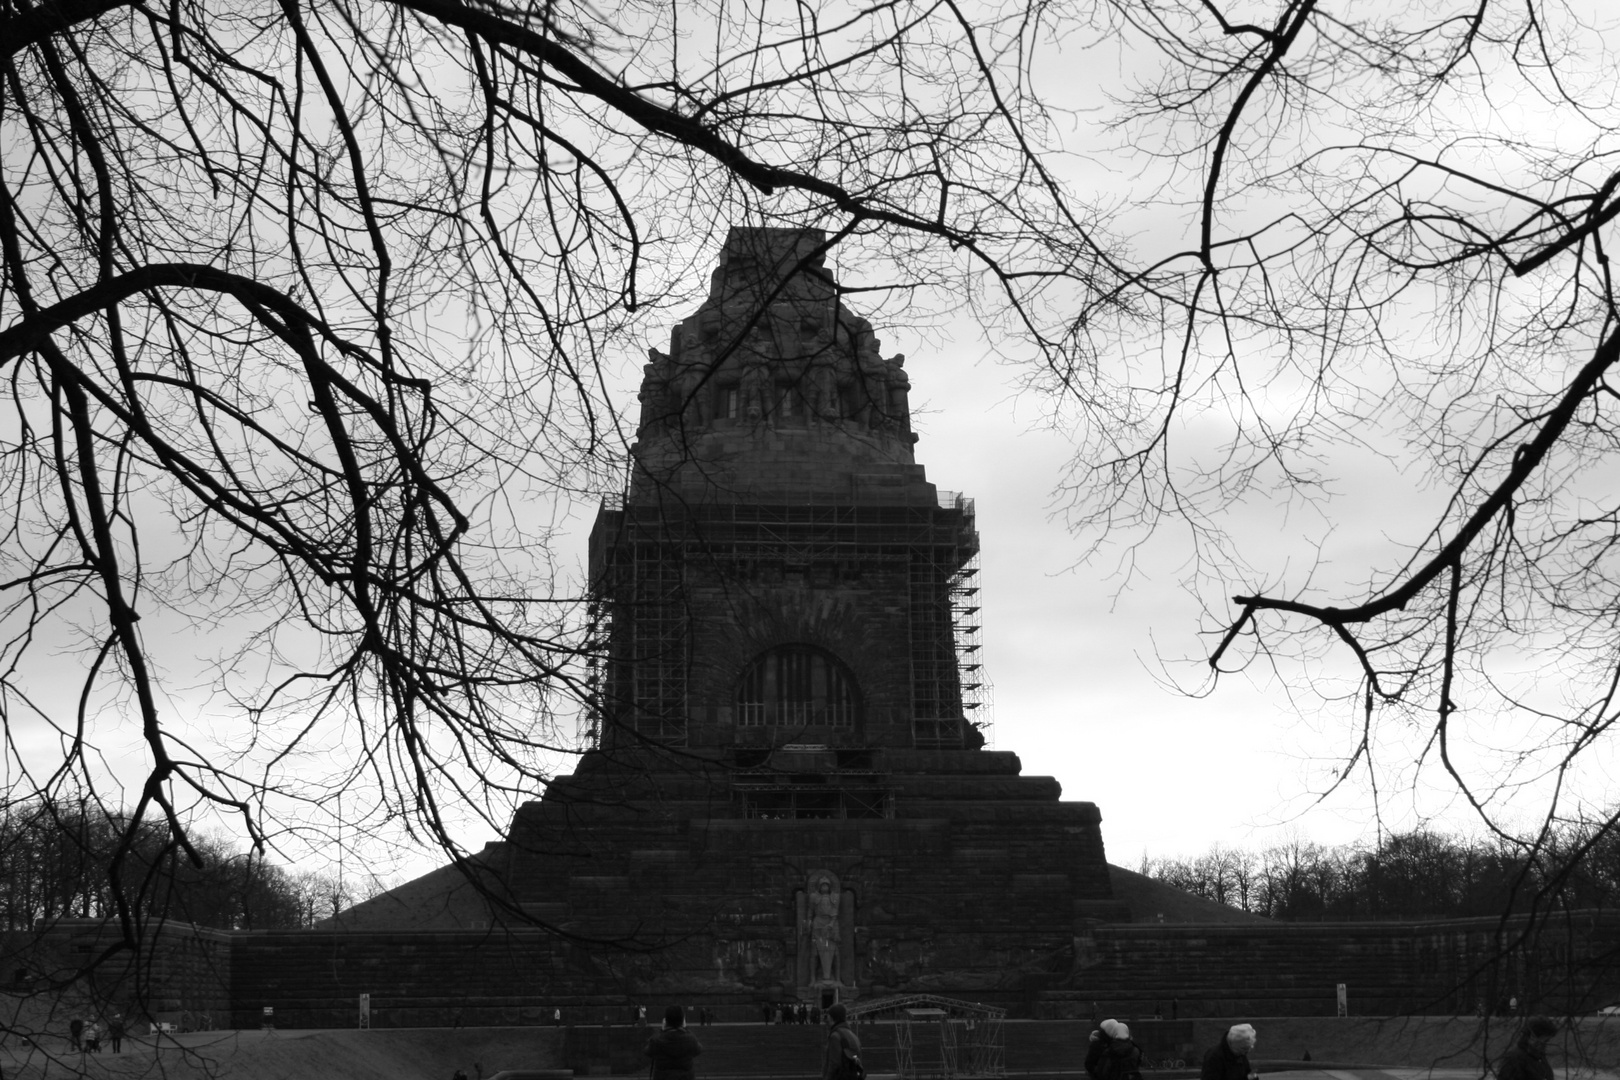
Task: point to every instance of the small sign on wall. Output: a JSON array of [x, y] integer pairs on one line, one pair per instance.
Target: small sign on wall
[[1344, 1000]]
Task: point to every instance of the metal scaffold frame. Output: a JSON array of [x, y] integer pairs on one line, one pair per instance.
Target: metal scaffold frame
[[935, 1038], [963, 590], [639, 632], [947, 664], [639, 621]]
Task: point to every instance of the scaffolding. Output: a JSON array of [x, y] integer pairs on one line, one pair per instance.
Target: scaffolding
[[598, 623], [934, 1037], [640, 626], [963, 590], [643, 555], [947, 664]]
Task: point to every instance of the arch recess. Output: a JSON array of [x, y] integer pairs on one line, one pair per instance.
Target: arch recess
[[797, 686]]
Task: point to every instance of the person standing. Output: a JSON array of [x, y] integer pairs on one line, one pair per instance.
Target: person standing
[[1527, 1060], [842, 1044], [115, 1031], [673, 1048], [1229, 1058], [75, 1033], [1112, 1055]]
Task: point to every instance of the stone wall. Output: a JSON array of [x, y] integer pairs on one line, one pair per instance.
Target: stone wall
[[1570, 965], [978, 880], [186, 969], [314, 979], [415, 979], [518, 977]]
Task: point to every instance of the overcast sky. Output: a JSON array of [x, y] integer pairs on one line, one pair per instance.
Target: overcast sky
[[1081, 663], [1079, 687]]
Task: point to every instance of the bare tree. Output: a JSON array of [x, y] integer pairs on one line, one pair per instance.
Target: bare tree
[[311, 308], [1377, 256], [301, 298]]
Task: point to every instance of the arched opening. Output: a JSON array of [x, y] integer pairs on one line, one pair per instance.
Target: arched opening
[[797, 686]]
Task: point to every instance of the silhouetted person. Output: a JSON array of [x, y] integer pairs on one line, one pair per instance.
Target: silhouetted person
[[673, 1048], [1229, 1058], [1528, 1059], [842, 1044], [1112, 1055]]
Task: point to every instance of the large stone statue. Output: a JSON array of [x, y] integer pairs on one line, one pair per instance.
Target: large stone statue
[[826, 932], [822, 926], [654, 395]]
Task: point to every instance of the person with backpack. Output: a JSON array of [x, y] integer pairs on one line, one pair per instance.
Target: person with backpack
[[1112, 1055], [841, 1059], [673, 1049]]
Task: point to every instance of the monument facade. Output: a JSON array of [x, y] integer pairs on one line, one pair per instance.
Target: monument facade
[[790, 793]]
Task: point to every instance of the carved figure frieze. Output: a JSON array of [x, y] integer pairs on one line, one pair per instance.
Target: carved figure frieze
[[803, 338]]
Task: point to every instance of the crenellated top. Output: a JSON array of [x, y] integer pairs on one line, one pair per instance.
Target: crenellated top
[[774, 389]]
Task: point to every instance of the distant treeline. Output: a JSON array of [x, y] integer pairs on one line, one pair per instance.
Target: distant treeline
[[1413, 875], [54, 864]]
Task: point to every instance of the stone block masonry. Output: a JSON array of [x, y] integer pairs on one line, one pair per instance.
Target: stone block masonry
[[470, 978]]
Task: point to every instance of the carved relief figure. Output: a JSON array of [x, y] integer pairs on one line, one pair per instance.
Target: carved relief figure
[[756, 385], [896, 386], [684, 386], [654, 394], [821, 390]]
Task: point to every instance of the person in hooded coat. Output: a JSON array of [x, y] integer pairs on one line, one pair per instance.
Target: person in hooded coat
[[673, 1048], [1528, 1059], [1112, 1055], [841, 1042], [1229, 1058]]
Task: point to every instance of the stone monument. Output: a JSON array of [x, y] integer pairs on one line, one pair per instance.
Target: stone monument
[[788, 792]]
